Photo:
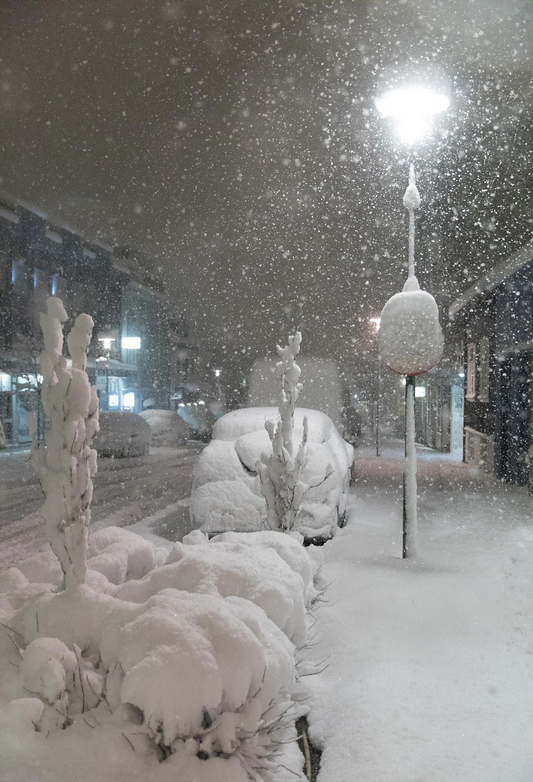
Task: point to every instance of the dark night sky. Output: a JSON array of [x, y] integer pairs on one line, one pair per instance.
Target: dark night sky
[[236, 143]]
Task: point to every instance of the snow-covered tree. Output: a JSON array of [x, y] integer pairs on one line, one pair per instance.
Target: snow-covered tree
[[280, 471], [65, 463]]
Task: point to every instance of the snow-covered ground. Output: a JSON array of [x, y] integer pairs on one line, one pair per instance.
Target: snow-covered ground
[[127, 491], [428, 663], [424, 667]]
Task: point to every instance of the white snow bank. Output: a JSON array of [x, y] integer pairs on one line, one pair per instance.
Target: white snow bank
[[101, 747], [288, 548], [168, 429], [191, 662], [226, 569], [114, 556], [121, 555]]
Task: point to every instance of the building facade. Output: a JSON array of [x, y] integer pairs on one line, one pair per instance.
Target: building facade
[[132, 354], [495, 321]]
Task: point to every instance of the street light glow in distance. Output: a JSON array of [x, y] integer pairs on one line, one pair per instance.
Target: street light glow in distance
[[412, 108]]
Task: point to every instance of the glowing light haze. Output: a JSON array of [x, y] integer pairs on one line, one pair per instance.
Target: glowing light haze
[[412, 108]]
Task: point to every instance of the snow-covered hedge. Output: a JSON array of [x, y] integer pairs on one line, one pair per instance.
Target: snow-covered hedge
[[186, 657]]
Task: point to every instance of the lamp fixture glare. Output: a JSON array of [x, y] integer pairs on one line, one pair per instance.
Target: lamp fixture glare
[[413, 108]]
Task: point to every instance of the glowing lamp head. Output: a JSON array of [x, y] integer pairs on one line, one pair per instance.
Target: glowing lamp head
[[412, 108]]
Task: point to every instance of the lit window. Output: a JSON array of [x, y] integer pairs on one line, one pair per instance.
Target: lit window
[[129, 400], [484, 369], [113, 401], [131, 343], [5, 381], [471, 370]]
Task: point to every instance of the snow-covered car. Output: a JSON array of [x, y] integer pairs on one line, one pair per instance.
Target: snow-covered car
[[199, 419], [122, 434], [226, 487], [167, 427]]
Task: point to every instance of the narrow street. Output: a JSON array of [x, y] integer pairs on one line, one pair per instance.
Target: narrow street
[[126, 491]]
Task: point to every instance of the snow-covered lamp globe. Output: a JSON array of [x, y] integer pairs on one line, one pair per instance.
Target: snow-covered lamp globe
[[410, 338]]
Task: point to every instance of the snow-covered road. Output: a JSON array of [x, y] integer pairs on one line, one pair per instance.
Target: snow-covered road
[[126, 491], [429, 666]]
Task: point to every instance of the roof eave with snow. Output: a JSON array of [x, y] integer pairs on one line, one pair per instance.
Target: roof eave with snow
[[494, 277]]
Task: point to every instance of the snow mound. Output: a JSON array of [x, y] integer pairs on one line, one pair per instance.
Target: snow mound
[[231, 568], [228, 505], [410, 337], [186, 672], [48, 667], [191, 662], [289, 549], [121, 555], [168, 429]]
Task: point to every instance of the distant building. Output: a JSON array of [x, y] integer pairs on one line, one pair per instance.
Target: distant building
[[138, 339]]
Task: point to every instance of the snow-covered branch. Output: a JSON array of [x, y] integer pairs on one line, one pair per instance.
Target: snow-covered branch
[[280, 472], [65, 463]]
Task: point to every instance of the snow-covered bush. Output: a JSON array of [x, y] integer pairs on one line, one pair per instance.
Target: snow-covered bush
[[65, 463], [202, 670], [192, 664], [121, 555], [168, 429], [280, 471], [287, 547], [230, 568]]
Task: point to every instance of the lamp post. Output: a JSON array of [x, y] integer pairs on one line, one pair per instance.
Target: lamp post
[[410, 336], [106, 342], [375, 323]]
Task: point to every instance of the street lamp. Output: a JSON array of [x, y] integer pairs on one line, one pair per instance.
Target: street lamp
[[410, 336], [106, 339], [375, 322], [412, 108]]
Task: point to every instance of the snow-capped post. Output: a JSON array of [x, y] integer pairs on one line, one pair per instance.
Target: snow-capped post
[[65, 463], [410, 343], [280, 472]]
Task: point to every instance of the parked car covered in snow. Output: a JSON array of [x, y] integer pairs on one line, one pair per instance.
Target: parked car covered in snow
[[322, 388], [226, 487], [122, 434], [167, 427]]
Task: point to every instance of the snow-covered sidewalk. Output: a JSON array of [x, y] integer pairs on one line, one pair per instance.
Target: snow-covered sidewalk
[[429, 662]]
